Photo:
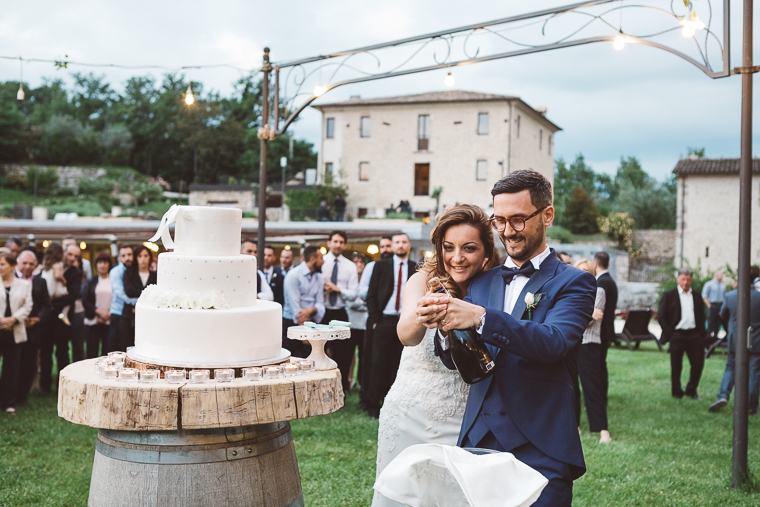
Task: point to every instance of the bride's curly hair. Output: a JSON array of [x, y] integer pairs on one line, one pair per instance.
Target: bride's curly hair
[[461, 214]]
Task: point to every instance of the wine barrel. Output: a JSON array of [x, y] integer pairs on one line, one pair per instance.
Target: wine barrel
[[245, 466]]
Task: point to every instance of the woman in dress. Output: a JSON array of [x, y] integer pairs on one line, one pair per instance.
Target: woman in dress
[[427, 401], [590, 357], [136, 278], [15, 307], [96, 298]]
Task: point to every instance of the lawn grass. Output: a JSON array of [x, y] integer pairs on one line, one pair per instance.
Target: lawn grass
[[664, 452]]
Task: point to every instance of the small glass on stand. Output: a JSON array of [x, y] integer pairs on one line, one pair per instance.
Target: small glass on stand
[[317, 335]]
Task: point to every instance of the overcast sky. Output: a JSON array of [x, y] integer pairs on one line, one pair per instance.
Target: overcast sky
[[639, 101]]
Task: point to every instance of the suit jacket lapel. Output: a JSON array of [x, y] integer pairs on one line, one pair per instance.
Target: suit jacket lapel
[[545, 273], [496, 300]]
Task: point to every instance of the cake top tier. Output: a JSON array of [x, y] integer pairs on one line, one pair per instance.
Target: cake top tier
[[201, 230]]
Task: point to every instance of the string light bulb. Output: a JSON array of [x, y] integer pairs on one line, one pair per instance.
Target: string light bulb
[[82, 245], [620, 41], [449, 81], [691, 25], [20, 95], [372, 249], [319, 90], [189, 97]]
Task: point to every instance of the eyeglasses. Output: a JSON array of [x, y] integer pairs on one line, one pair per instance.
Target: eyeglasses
[[517, 223]]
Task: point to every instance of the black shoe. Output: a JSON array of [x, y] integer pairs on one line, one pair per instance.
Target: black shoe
[[717, 405], [373, 413], [694, 396]]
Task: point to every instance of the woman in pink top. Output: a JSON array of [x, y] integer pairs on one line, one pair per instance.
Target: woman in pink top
[[96, 298]]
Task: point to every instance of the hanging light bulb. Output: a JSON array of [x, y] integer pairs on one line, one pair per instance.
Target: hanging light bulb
[[20, 94], [189, 97], [691, 25], [319, 90], [449, 81], [620, 41]]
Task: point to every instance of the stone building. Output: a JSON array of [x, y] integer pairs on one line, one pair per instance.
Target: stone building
[[235, 196], [402, 148], [707, 216]]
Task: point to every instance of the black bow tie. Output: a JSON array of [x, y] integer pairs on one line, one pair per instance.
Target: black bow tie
[[508, 274]]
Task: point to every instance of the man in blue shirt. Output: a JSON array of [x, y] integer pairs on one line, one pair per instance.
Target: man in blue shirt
[[714, 294], [118, 297], [304, 298]]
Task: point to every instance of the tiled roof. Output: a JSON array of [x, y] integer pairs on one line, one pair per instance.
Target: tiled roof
[[445, 96], [689, 166]]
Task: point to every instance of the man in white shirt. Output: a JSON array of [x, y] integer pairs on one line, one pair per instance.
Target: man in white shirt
[[341, 282], [386, 250], [384, 301], [249, 247], [682, 319]]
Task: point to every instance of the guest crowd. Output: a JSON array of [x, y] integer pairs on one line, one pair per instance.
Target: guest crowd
[[64, 307]]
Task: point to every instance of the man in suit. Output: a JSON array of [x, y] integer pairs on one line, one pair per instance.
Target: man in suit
[[526, 406], [682, 319], [605, 281], [249, 247], [35, 323], [274, 275], [728, 315], [384, 301]]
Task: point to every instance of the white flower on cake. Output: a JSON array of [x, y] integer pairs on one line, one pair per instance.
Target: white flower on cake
[[159, 298]]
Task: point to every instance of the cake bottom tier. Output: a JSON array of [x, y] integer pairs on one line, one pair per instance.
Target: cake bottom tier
[[209, 336]]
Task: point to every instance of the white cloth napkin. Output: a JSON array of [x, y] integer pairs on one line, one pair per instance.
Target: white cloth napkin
[[487, 480]]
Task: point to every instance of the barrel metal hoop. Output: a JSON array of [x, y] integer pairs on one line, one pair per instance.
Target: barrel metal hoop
[[193, 454]]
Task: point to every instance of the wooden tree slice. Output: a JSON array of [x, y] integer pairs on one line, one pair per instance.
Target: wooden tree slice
[[86, 398]]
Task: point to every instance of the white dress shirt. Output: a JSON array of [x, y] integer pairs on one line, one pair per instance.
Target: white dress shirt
[[268, 273], [390, 308], [265, 291], [687, 310], [601, 273], [364, 281], [348, 279]]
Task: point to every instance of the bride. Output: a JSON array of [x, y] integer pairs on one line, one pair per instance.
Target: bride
[[426, 403]]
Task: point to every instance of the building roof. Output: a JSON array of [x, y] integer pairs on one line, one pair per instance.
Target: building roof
[[236, 188], [704, 166], [448, 96]]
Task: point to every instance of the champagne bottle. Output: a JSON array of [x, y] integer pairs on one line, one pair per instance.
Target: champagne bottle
[[469, 353]]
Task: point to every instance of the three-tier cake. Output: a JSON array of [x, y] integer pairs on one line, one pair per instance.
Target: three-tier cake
[[203, 310]]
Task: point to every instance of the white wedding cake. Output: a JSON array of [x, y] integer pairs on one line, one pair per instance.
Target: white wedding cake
[[204, 310]]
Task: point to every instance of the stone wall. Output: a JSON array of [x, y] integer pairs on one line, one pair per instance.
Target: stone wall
[[657, 246]]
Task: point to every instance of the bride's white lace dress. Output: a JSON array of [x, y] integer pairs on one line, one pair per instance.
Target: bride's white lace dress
[[425, 405]]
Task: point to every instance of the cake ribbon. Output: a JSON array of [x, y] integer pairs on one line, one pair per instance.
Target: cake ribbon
[[163, 229]]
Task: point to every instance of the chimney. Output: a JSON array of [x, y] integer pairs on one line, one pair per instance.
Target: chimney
[[541, 110]]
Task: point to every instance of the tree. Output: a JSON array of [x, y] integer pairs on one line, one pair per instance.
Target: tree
[[581, 214], [567, 179], [695, 152], [631, 173]]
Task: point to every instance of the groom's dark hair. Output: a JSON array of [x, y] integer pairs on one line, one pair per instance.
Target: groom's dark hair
[[539, 187]]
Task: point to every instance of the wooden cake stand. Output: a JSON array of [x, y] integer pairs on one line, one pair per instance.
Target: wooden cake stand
[[212, 444]]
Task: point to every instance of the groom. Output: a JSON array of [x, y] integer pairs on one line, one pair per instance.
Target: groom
[[526, 406]]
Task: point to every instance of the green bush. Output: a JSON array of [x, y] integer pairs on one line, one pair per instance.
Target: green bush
[[47, 180], [560, 234], [83, 208]]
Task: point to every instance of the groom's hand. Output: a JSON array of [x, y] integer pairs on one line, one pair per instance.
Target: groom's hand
[[431, 309], [461, 315]]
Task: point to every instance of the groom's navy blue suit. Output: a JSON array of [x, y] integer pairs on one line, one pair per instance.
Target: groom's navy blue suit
[[526, 406]]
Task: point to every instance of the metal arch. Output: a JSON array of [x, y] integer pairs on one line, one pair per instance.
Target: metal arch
[[525, 51]]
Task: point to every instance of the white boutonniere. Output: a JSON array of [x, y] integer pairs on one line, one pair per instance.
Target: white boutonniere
[[531, 301]]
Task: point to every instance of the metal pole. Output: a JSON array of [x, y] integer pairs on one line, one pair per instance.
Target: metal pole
[[261, 240], [741, 373]]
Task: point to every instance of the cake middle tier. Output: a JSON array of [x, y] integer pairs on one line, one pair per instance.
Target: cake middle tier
[[208, 337], [234, 276]]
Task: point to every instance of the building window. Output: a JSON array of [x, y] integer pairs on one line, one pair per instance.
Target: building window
[[328, 170], [421, 179], [330, 128], [481, 170], [363, 171], [365, 126], [540, 139], [423, 131], [482, 124], [549, 144], [361, 212], [517, 124]]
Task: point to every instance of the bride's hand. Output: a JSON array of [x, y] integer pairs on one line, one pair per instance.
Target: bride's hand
[[431, 309]]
